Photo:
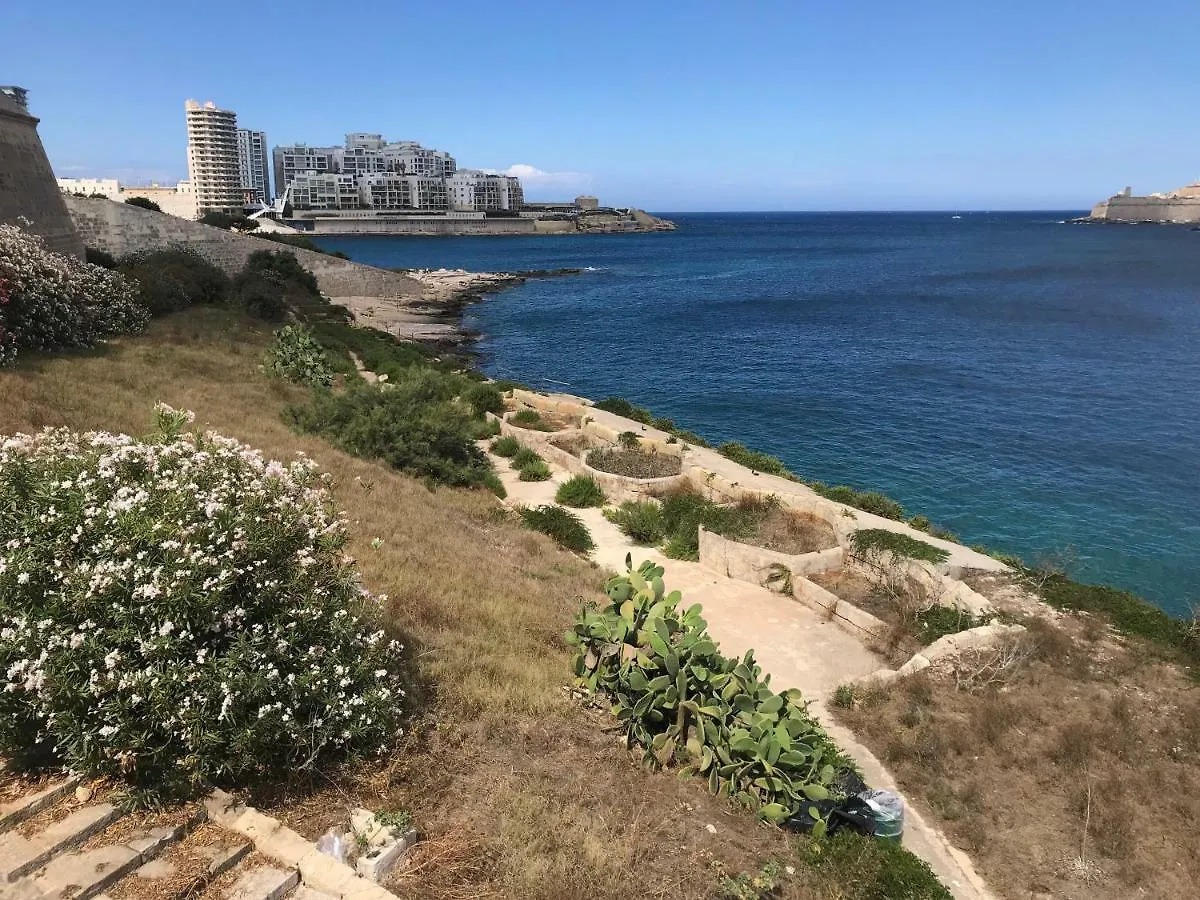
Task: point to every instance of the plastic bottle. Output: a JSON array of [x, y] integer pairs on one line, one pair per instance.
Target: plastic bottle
[[889, 813]]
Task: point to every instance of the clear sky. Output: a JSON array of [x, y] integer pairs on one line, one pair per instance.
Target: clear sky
[[664, 104]]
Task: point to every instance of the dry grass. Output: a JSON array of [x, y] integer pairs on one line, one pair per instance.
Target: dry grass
[[789, 531], [518, 791], [1085, 766]]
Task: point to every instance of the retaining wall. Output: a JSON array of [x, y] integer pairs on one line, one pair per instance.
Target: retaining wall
[[120, 228]]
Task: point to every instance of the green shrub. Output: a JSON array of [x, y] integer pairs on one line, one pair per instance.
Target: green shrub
[[685, 704], [97, 257], [663, 425], [753, 459], [879, 540], [531, 419], [260, 296], [484, 429], [506, 446], [690, 437], [620, 407], [628, 440], [144, 203], [683, 513], [492, 482], [536, 470], [524, 456], [484, 398], [178, 611], [640, 520], [867, 501], [580, 492], [378, 351], [564, 526], [938, 621], [175, 278], [413, 425], [272, 283], [297, 356], [866, 868]]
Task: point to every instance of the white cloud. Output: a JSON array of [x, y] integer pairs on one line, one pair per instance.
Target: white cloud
[[534, 178]]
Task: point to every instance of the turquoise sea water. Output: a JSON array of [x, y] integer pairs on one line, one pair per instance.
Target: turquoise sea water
[[1028, 384]]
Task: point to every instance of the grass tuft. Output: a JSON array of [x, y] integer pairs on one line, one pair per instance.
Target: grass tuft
[[580, 492], [561, 524]]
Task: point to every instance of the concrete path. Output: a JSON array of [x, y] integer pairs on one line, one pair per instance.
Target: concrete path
[[792, 642]]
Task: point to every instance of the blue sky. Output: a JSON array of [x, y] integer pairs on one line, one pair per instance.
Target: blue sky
[[878, 104]]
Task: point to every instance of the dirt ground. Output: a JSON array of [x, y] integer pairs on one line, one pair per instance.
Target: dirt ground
[[1083, 763]]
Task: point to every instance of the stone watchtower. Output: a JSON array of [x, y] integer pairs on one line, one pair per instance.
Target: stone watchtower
[[27, 184]]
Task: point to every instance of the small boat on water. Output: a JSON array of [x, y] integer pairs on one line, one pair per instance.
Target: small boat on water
[[956, 217]]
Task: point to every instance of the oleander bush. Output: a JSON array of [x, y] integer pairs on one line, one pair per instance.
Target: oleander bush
[[685, 704], [561, 524], [506, 446], [580, 492], [297, 356], [414, 424], [51, 302], [179, 610]]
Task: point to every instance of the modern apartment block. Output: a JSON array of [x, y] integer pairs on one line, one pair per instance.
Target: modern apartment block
[[213, 168], [471, 189], [253, 166], [368, 172]]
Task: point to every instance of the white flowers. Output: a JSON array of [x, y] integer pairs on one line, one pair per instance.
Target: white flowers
[[218, 644]]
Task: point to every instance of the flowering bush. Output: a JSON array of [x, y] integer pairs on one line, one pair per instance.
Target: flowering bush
[[298, 357], [178, 609], [49, 301]]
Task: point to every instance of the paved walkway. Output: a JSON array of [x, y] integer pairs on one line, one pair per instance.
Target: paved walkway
[[792, 642]]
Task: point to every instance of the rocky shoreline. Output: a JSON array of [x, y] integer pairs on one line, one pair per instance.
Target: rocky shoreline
[[436, 316]]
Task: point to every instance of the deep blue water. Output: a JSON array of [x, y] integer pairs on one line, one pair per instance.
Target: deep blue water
[[1028, 384]]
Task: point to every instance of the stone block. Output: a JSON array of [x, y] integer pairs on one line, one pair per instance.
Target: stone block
[[19, 810], [324, 873], [917, 664], [262, 883], [381, 859], [20, 855], [82, 874]]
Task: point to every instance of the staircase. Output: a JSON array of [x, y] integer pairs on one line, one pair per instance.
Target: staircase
[[58, 843]]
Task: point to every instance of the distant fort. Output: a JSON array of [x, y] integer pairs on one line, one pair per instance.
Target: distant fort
[[1178, 207]]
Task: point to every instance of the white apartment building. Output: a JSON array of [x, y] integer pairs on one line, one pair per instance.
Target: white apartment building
[[473, 190], [363, 153], [213, 157], [91, 187], [252, 164], [325, 191]]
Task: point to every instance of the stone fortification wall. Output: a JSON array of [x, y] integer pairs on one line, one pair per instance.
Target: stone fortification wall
[[27, 186], [1179, 211], [120, 228]]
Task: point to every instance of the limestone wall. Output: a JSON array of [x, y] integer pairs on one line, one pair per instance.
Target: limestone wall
[[120, 228], [28, 188], [1179, 211]]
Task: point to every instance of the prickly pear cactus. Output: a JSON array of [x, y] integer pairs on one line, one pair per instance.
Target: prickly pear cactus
[[686, 704]]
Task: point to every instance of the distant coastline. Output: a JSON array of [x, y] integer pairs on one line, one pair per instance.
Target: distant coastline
[[1177, 207]]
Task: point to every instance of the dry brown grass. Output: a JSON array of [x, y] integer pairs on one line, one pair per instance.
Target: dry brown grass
[[1085, 766], [518, 791], [789, 531]]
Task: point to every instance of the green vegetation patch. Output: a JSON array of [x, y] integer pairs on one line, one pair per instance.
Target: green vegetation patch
[[378, 351], [580, 492], [413, 424], [939, 621], [753, 459], [1127, 612], [621, 407], [524, 456], [530, 419], [298, 357], [867, 501], [876, 540], [639, 520], [685, 704], [536, 470], [507, 446], [561, 524], [867, 868]]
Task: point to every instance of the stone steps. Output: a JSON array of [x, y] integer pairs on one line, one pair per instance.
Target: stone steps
[[73, 849]]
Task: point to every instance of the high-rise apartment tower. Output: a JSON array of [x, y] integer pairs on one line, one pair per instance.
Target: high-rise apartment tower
[[213, 158]]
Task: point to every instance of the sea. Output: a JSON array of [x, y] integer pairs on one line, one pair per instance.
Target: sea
[[1030, 384]]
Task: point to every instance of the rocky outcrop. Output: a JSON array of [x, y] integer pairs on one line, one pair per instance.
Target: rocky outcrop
[[29, 194], [1179, 207]]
